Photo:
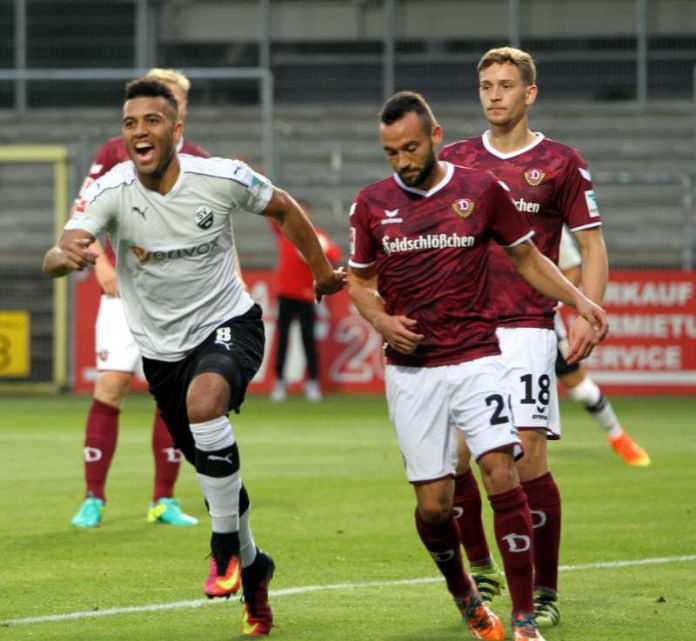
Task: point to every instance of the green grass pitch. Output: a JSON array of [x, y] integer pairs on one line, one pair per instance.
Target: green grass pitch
[[330, 503]]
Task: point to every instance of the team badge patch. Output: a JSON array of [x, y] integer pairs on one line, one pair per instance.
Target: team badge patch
[[534, 177], [103, 354], [463, 207], [204, 217]]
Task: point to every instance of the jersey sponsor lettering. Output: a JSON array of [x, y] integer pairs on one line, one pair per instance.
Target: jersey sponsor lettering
[[432, 241], [144, 255], [529, 207]]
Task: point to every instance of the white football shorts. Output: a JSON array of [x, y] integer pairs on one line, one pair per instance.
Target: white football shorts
[[114, 345], [529, 355], [427, 406]]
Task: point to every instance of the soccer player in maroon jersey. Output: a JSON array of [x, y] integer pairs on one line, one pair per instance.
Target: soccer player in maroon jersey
[[550, 183], [118, 358], [419, 273]]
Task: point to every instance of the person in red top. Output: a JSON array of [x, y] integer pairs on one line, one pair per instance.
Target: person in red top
[[419, 273], [296, 299], [550, 183], [118, 359]]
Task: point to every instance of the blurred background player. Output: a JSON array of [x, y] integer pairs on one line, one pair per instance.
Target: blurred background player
[[551, 185], [118, 359], [296, 299], [580, 386]]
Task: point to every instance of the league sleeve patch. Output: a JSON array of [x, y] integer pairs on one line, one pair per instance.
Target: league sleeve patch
[[352, 241], [80, 206], [591, 201]]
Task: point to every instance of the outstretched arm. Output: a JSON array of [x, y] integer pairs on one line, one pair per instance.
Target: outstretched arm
[[295, 225], [545, 277], [71, 254]]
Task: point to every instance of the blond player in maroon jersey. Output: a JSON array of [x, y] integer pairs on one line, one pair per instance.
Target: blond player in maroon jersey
[[419, 267], [551, 185]]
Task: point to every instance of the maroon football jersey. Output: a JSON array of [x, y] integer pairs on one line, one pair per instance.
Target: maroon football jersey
[[112, 153], [431, 253], [550, 182]]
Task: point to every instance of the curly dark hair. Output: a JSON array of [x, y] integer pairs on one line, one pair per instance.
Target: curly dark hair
[[151, 88]]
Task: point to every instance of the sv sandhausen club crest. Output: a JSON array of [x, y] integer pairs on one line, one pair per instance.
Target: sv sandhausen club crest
[[463, 207], [534, 177], [204, 217]]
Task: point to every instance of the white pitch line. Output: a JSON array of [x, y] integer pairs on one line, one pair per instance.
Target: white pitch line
[[178, 605]]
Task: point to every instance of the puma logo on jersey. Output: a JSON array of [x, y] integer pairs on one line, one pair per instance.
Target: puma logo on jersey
[[137, 210]]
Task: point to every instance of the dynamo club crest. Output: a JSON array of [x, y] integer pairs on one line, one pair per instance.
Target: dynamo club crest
[[463, 207], [534, 177]]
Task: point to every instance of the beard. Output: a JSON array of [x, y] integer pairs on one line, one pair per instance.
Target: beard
[[419, 178]]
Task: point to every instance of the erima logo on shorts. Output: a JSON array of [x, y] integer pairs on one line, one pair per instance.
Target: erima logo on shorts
[[144, 255], [430, 241]]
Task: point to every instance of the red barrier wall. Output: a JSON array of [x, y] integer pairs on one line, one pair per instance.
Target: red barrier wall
[[349, 349], [651, 348]]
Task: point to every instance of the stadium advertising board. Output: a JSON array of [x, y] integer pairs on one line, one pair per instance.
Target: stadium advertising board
[[651, 348]]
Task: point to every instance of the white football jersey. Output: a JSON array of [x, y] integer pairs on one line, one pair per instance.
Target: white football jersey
[[174, 253]]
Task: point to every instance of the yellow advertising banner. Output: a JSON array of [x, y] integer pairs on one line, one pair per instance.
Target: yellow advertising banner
[[14, 343]]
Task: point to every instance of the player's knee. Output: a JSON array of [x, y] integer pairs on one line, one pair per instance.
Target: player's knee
[[498, 474], [434, 513], [112, 387], [207, 397]]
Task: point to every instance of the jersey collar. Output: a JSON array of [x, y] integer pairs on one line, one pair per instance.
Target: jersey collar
[[518, 152], [449, 170]]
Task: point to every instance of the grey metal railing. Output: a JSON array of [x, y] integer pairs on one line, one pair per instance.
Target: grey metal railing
[[263, 76]]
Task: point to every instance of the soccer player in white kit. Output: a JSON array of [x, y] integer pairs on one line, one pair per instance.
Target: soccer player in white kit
[[169, 217], [580, 386], [419, 274], [118, 359]]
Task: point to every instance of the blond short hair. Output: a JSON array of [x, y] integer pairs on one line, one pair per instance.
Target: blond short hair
[[521, 59], [171, 76]]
